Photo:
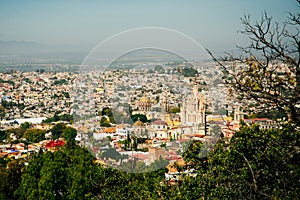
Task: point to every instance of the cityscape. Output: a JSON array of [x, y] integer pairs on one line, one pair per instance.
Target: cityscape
[[154, 121]]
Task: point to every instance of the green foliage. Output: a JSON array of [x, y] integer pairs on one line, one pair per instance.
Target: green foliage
[[56, 118], [19, 132], [175, 110], [25, 126], [113, 154], [3, 135], [34, 135], [141, 117], [9, 104], [273, 114], [57, 130], [66, 94], [10, 173], [104, 122], [159, 69], [60, 82], [256, 164], [7, 81], [2, 112], [65, 174], [69, 134], [189, 72], [108, 112], [195, 155]]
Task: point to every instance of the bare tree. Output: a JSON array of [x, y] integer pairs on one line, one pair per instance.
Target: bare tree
[[268, 73]]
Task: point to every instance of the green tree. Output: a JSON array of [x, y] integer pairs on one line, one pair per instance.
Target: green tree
[[69, 173], [57, 130], [104, 122], [141, 117], [107, 111], [69, 134], [255, 164], [26, 125], [3, 135], [113, 154], [175, 110], [159, 69], [2, 112], [10, 174], [34, 135], [189, 72], [195, 155]]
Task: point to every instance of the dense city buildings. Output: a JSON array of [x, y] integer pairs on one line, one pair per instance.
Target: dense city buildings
[[134, 114]]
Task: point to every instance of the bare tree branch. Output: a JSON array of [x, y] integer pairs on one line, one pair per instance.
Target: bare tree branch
[[269, 75]]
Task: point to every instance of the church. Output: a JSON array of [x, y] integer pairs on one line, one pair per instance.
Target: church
[[192, 114]]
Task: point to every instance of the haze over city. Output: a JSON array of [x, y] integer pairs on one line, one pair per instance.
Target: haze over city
[[70, 29]]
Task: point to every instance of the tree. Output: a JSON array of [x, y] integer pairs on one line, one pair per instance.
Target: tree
[[257, 164], [57, 130], [141, 117], [2, 112], [10, 174], [104, 122], [3, 135], [175, 110], [189, 72], [26, 125], [270, 76], [56, 117], [69, 134], [113, 154], [159, 69], [216, 130], [109, 113], [34, 135], [194, 156], [69, 173]]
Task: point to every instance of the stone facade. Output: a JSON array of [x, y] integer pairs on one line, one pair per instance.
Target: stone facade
[[193, 111]]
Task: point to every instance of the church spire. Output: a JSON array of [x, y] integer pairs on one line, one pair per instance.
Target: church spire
[[195, 89]]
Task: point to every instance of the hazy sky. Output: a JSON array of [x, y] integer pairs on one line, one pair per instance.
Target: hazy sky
[[80, 25]]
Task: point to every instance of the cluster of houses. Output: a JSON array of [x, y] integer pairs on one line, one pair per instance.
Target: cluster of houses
[[174, 105], [35, 94]]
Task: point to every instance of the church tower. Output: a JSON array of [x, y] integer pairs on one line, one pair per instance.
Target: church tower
[[193, 112]]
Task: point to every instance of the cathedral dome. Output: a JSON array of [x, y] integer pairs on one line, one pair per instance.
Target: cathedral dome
[[144, 100], [138, 123], [144, 104]]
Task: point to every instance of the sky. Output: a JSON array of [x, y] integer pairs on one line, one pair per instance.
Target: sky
[[80, 25]]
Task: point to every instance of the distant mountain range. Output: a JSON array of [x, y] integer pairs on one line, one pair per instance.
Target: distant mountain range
[[16, 52], [21, 47]]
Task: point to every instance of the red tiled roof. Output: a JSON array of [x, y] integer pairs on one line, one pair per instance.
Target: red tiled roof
[[109, 130], [55, 143]]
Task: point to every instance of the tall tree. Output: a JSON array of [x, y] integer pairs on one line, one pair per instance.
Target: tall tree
[[57, 130], [255, 164], [269, 76], [10, 174], [69, 173], [34, 135], [69, 134]]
